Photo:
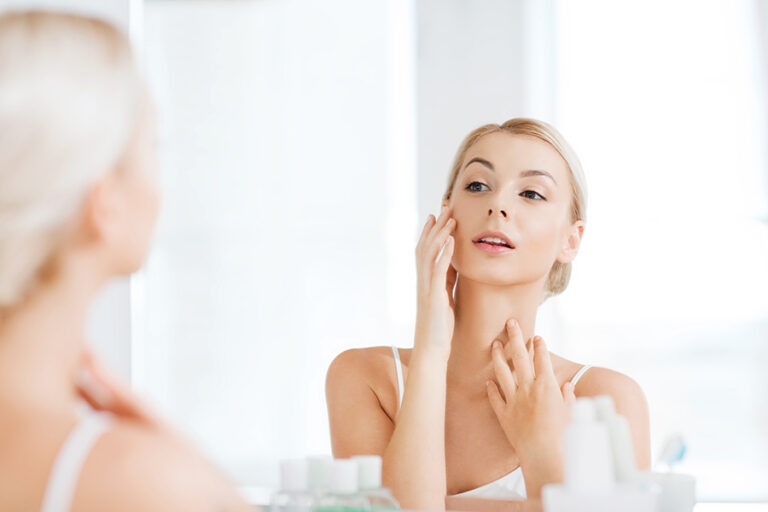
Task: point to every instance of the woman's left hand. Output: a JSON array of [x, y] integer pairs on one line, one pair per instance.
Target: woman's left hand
[[532, 409]]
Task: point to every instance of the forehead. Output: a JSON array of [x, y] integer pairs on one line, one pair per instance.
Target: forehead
[[514, 153]]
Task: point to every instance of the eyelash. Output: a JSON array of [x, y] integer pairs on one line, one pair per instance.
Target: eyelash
[[470, 188]]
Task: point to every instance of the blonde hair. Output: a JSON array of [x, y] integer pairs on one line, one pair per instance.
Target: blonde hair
[[560, 273], [69, 102]]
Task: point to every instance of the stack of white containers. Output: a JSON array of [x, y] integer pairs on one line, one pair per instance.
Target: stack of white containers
[[600, 472], [323, 484]]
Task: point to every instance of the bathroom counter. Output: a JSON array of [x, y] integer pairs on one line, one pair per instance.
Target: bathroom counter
[[482, 505]]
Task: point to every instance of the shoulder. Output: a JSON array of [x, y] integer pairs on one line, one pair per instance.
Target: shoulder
[[132, 467], [371, 364], [604, 381], [363, 377], [626, 393]]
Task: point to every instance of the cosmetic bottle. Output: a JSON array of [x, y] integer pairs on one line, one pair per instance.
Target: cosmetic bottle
[[620, 438], [293, 495], [588, 469], [369, 483], [319, 472], [342, 494]]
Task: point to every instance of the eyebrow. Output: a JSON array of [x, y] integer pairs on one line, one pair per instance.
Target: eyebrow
[[524, 174]]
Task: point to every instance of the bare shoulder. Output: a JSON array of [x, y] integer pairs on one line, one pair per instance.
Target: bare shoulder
[[375, 365], [604, 381], [132, 467], [365, 372]]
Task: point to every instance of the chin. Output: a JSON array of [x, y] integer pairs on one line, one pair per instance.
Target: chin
[[497, 271]]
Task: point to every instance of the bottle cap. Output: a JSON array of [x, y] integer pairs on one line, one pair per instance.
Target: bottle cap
[[343, 476], [293, 475], [583, 410], [319, 472], [369, 471], [604, 407]]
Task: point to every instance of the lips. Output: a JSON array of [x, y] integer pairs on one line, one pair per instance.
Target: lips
[[494, 239]]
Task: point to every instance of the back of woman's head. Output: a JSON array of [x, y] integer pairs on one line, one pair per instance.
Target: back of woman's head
[[69, 101]]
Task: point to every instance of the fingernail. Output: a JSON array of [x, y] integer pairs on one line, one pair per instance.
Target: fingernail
[[496, 344], [511, 323]]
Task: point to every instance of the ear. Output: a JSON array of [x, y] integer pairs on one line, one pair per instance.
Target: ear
[[572, 242], [100, 210], [445, 203]]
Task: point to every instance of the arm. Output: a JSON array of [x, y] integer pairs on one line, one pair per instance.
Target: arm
[[413, 447], [413, 451]]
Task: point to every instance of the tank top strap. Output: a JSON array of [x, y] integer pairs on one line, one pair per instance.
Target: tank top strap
[[580, 374], [399, 372], [66, 469]]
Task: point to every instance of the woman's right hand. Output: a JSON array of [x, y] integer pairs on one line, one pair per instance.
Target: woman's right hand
[[436, 278]]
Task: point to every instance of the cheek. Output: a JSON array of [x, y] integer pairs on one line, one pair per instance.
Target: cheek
[[142, 213]]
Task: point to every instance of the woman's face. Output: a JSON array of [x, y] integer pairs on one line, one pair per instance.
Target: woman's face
[[511, 201]]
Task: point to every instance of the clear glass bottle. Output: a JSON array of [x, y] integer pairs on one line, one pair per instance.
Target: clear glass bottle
[[342, 494], [369, 483], [293, 495]]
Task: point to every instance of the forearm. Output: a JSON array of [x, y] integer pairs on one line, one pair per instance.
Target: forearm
[[414, 461]]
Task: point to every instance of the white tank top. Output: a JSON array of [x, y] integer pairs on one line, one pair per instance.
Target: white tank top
[[509, 487], [65, 472]]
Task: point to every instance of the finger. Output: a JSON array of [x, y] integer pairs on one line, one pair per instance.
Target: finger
[[502, 371], [439, 238], [424, 274], [519, 355], [541, 360], [425, 231], [442, 219], [440, 277], [528, 349], [494, 396]]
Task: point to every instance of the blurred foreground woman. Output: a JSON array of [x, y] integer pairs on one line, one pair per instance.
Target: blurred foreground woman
[[78, 202]]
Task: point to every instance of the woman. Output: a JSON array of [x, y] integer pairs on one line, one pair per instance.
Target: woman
[[479, 401], [78, 202]]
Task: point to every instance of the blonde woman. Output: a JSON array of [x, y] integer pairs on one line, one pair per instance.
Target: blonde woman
[[479, 401], [78, 202]]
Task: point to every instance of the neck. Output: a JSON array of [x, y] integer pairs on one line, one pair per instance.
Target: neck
[[481, 312], [41, 342]]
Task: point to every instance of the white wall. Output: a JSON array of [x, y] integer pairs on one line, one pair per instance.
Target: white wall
[[469, 59]]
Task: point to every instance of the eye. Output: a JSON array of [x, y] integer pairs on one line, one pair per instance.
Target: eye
[[477, 186], [530, 195]]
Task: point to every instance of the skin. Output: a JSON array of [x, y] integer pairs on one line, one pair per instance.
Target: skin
[[473, 411], [45, 370]]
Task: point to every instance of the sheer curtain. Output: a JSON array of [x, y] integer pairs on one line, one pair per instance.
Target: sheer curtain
[[289, 216], [662, 101]]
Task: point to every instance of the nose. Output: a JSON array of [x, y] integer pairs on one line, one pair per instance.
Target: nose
[[501, 212]]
